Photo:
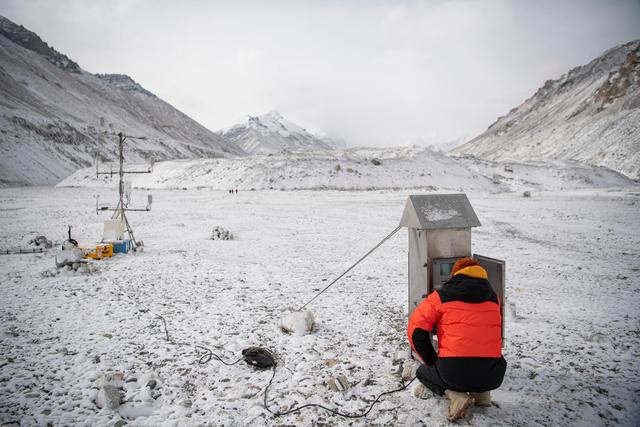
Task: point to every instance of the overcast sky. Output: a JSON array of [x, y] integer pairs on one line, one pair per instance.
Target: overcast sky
[[374, 72]]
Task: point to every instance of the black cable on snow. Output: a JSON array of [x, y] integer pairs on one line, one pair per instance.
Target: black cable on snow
[[333, 411]]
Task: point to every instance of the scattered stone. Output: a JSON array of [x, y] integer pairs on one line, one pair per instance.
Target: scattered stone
[[115, 379], [337, 168], [120, 423], [46, 412], [251, 391], [220, 233], [69, 256], [108, 397], [338, 383], [329, 363], [297, 322], [152, 384], [65, 351], [96, 359], [186, 403], [526, 194], [131, 380], [330, 382], [106, 335], [41, 241], [49, 273], [376, 162]]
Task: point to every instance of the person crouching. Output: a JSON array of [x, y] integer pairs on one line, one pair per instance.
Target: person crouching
[[469, 362]]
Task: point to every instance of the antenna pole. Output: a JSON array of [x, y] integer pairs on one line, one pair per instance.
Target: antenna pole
[[121, 139], [121, 207]]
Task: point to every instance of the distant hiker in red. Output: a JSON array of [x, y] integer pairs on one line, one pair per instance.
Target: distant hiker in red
[[466, 314]]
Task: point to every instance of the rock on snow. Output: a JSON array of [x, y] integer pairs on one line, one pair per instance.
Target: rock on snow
[[297, 322]]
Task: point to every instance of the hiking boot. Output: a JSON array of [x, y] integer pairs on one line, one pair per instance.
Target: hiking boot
[[409, 369], [458, 405], [421, 392], [482, 399]]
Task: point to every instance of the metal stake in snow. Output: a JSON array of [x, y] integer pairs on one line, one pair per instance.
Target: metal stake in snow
[[122, 206], [352, 266]]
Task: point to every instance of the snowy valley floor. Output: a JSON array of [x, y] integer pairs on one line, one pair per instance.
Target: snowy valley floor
[[573, 291]]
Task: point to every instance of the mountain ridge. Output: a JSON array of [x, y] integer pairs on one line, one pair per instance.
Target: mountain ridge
[[56, 118], [590, 114], [31, 41]]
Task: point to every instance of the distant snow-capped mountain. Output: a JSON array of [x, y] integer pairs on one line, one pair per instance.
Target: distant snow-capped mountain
[[590, 115], [271, 133], [335, 142], [55, 117]]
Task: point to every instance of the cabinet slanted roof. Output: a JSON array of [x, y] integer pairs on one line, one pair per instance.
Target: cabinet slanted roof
[[439, 211]]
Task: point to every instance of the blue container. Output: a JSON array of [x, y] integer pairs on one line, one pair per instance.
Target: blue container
[[121, 246]]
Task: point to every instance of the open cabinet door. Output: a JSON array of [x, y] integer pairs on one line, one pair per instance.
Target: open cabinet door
[[496, 272]]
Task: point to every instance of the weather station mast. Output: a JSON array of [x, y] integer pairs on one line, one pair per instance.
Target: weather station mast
[[115, 229]]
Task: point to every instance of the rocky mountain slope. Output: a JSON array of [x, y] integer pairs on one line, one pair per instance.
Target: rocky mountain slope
[[271, 133], [590, 115], [56, 118]]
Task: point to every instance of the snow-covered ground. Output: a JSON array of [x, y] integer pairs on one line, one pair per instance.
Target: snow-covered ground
[[573, 291]]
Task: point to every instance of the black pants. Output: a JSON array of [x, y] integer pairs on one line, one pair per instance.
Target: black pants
[[430, 377], [476, 374]]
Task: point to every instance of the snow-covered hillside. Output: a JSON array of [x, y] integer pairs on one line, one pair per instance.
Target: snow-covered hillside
[[548, 175], [359, 169], [55, 117], [271, 133], [590, 115]]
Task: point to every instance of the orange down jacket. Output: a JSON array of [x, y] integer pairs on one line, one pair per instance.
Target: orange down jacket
[[465, 313]]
